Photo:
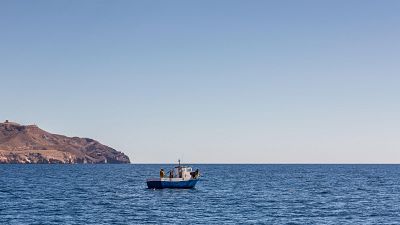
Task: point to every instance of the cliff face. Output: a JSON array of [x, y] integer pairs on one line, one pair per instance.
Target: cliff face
[[30, 144]]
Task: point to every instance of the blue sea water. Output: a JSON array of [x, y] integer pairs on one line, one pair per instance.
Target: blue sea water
[[227, 194]]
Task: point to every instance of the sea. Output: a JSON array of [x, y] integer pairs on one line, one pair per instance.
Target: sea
[[226, 194]]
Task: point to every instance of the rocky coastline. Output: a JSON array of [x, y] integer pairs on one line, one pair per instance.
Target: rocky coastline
[[28, 144]]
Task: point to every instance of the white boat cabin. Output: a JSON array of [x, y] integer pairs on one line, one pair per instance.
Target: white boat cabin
[[183, 172], [179, 173]]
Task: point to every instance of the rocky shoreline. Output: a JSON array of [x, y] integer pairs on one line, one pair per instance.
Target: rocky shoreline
[[31, 145]]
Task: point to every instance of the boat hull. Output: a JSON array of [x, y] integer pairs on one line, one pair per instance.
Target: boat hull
[[160, 184]]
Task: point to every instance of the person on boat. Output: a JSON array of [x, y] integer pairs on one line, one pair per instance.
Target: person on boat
[[195, 174], [162, 174], [180, 172], [171, 174]]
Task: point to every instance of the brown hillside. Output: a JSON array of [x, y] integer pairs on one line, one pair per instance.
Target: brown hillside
[[30, 144]]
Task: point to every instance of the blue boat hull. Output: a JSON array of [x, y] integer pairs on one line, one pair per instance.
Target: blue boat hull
[[157, 184]]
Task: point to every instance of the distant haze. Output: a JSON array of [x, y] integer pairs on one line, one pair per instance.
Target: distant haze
[[209, 81]]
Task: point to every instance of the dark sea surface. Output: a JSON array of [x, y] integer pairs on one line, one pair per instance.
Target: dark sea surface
[[227, 194]]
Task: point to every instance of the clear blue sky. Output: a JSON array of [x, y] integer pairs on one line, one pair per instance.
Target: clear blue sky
[[209, 81]]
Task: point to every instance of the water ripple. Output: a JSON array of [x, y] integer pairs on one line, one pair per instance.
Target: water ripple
[[227, 194]]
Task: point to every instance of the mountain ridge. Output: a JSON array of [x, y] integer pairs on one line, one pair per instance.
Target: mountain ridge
[[31, 144]]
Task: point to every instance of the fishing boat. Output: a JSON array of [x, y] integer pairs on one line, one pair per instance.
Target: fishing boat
[[179, 177]]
